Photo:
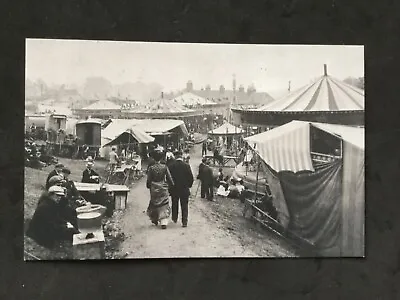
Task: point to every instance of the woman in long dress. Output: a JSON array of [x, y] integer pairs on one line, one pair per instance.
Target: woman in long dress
[[159, 181]]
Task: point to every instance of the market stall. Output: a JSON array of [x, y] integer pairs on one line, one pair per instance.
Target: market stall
[[319, 197]]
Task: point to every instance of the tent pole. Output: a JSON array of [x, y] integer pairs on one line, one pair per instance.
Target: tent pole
[[258, 169], [129, 141]]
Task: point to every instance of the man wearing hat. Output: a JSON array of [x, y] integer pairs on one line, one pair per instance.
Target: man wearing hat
[[56, 172], [89, 175], [182, 177], [200, 177], [72, 194], [50, 222], [208, 181], [56, 180]]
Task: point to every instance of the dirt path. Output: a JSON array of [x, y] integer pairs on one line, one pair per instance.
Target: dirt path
[[209, 232]]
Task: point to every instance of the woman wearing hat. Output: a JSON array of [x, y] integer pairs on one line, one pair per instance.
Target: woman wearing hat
[[159, 181], [50, 223]]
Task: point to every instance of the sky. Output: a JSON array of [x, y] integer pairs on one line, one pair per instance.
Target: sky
[[268, 67]]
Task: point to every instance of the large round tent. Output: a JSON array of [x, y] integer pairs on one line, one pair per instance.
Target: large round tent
[[326, 100]]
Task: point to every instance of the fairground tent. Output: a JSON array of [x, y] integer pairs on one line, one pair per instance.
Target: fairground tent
[[191, 100], [163, 108], [325, 99], [143, 129], [226, 129], [322, 203], [130, 135]]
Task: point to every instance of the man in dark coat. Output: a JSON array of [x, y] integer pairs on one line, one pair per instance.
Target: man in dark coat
[[72, 194], [183, 180], [89, 175], [200, 177], [208, 181], [56, 172], [204, 148], [51, 223]]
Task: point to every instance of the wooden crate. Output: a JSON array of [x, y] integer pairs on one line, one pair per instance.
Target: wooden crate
[[89, 248]]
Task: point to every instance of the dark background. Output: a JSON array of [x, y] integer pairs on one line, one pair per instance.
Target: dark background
[[374, 24]]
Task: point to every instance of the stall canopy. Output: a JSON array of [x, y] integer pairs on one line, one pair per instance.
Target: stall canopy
[[226, 129], [148, 126], [285, 148], [325, 206], [131, 134]]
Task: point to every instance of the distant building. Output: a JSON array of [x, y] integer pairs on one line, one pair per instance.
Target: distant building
[[250, 96]]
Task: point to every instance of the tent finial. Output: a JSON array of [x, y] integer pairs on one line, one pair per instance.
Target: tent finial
[[325, 70]]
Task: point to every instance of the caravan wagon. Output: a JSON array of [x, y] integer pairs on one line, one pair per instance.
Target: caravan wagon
[[88, 133]]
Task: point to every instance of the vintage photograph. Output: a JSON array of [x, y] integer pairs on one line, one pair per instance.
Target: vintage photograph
[[137, 150]]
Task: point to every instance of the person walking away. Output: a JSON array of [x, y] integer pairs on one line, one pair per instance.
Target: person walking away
[[114, 159], [89, 175], [204, 148], [56, 172], [183, 178], [200, 177], [159, 182], [49, 223], [208, 181]]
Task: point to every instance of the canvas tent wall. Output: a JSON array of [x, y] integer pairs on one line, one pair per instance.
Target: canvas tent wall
[[325, 203]]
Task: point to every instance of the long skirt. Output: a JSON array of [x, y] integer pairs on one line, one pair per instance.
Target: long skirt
[[159, 209]]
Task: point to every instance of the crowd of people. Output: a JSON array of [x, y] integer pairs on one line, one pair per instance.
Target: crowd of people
[[169, 176], [55, 217]]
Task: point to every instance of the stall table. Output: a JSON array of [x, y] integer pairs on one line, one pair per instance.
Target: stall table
[[225, 159], [119, 192]]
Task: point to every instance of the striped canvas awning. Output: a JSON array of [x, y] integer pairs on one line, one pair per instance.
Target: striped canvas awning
[[285, 148]]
